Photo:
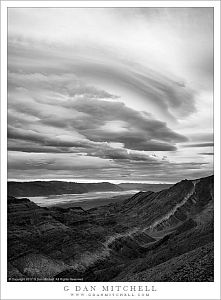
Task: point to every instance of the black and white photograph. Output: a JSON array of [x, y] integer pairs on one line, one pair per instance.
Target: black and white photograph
[[110, 145]]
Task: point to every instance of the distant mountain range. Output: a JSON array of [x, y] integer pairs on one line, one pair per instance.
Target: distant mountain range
[[45, 188], [151, 236], [144, 186]]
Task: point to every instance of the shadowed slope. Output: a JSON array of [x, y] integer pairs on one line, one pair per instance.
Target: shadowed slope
[[117, 241]]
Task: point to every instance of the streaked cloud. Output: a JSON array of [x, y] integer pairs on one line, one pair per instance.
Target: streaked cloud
[[102, 89]]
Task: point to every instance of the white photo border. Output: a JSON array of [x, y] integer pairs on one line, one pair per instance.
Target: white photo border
[[56, 290]]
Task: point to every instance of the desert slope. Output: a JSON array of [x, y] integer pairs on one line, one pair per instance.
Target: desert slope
[[149, 235]]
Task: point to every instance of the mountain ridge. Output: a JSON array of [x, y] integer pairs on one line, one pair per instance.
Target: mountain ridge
[[117, 242]]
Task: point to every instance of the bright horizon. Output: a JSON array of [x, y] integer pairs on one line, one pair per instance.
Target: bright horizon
[[96, 181], [90, 181]]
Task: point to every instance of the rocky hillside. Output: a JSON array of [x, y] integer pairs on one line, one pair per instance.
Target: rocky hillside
[[152, 236], [45, 188]]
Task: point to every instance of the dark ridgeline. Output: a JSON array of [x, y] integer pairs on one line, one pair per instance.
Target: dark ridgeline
[[151, 236]]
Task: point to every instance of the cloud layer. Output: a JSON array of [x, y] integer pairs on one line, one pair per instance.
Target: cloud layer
[[86, 105]]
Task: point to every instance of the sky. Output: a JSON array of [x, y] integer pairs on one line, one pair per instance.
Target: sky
[[110, 94]]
